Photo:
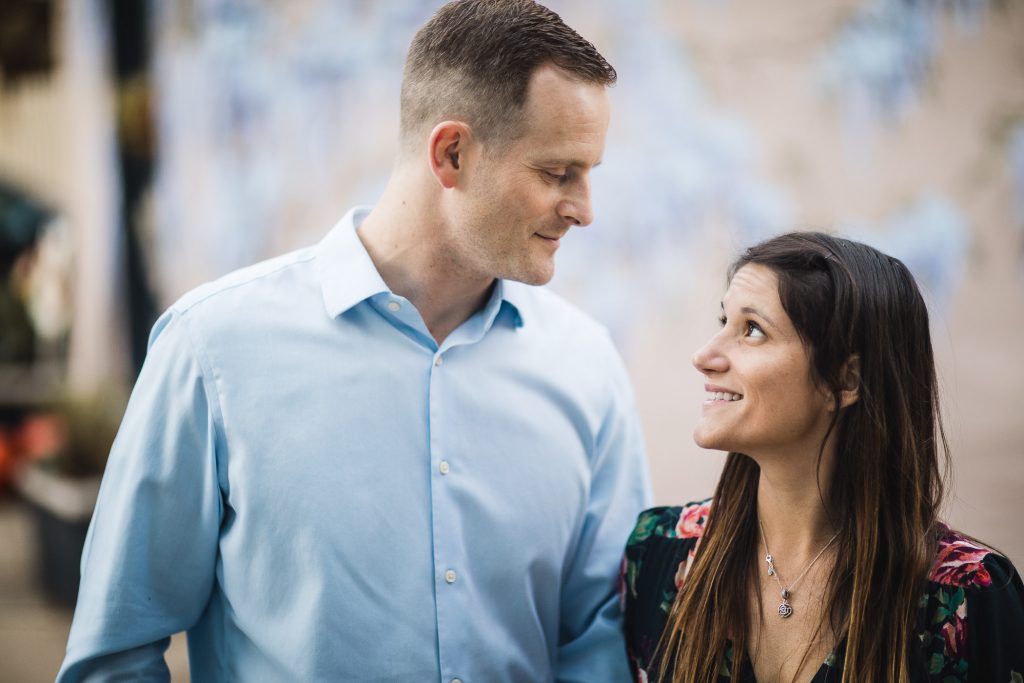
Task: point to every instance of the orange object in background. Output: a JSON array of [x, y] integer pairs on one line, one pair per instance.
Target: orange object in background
[[41, 435], [6, 459], [35, 437]]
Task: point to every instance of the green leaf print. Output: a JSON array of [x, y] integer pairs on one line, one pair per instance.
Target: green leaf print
[[632, 571], [644, 526]]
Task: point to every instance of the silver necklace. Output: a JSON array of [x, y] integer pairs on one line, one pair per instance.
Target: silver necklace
[[785, 609]]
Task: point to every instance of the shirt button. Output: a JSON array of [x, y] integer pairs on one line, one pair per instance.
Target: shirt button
[[394, 306], [449, 576], [456, 680], [444, 467], [438, 360]]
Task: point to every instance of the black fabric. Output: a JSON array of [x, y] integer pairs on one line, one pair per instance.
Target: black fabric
[[973, 595]]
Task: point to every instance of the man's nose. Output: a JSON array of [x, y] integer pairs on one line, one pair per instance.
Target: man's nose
[[577, 209]]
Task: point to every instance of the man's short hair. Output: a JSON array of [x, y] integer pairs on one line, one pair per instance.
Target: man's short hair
[[473, 61]]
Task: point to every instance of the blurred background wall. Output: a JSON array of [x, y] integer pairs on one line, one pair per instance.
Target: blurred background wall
[[146, 147]]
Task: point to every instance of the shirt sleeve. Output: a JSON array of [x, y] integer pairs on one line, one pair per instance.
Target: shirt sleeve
[[591, 645], [995, 625], [149, 558]]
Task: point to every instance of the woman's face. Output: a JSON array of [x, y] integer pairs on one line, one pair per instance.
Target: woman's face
[[762, 398]]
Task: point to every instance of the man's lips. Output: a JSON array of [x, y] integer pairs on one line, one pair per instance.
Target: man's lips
[[552, 242]]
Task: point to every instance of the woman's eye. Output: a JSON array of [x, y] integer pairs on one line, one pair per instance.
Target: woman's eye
[[754, 330], [722, 320]]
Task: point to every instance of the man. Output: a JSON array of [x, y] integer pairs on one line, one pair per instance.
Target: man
[[386, 457]]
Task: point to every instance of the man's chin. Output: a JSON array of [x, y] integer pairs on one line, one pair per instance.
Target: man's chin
[[537, 281], [532, 276]]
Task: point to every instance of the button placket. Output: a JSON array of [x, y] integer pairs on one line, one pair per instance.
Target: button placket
[[446, 550]]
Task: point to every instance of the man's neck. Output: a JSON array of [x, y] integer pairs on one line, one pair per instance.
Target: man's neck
[[404, 238]]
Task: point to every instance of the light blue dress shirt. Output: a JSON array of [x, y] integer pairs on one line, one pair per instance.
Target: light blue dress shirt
[[314, 490]]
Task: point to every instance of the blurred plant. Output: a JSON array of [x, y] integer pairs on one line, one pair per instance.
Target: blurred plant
[[74, 438], [21, 219], [36, 257], [17, 339], [45, 283]]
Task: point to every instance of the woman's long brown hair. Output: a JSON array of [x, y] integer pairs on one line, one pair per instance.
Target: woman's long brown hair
[[845, 300]]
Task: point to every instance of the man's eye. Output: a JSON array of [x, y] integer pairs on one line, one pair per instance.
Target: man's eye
[[754, 330], [557, 177]]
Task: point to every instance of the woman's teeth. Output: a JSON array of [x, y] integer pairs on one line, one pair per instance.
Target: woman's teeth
[[723, 396]]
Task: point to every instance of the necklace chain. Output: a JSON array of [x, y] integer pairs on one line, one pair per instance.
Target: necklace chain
[[785, 609]]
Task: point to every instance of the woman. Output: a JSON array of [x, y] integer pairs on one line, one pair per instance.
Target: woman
[[821, 556]]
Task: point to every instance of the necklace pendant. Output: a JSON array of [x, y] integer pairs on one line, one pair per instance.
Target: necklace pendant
[[785, 609]]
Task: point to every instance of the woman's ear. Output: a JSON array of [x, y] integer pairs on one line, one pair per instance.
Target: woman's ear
[[849, 379], [448, 143], [849, 382]]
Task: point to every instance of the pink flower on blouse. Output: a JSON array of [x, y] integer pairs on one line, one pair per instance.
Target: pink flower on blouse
[[692, 519], [954, 633], [959, 562], [680, 575]]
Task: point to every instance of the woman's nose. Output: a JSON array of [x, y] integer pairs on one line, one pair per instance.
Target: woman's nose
[[710, 358]]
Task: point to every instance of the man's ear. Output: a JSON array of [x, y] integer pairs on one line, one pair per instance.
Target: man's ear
[[448, 144], [850, 381]]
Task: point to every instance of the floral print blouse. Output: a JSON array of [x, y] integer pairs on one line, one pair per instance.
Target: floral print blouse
[[970, 620]]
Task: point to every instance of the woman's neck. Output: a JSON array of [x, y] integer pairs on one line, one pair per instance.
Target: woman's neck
[[792, 506]]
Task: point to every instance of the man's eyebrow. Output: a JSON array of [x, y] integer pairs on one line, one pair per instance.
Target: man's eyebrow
[[574, 163]]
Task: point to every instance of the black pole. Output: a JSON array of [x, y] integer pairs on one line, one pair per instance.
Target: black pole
[[129, 23]]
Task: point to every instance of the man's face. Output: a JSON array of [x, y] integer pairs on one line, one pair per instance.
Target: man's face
[[519, 202]]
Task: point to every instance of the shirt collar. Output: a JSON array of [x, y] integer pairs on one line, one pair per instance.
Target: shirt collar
[[515, 294], [349, 277], [347, 274]]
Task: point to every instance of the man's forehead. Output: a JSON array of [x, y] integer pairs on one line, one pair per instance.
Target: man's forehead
[[563, 123]]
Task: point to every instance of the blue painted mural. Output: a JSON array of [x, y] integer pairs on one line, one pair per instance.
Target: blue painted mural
[[273, 116]]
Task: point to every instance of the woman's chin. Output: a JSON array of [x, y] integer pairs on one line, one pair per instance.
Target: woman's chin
[[705, 439]]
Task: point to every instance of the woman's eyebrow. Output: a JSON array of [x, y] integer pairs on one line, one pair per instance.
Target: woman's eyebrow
[[751, 310]]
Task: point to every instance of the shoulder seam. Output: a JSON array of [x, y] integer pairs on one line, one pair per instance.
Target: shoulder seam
[[209, 379], [184, 308]]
